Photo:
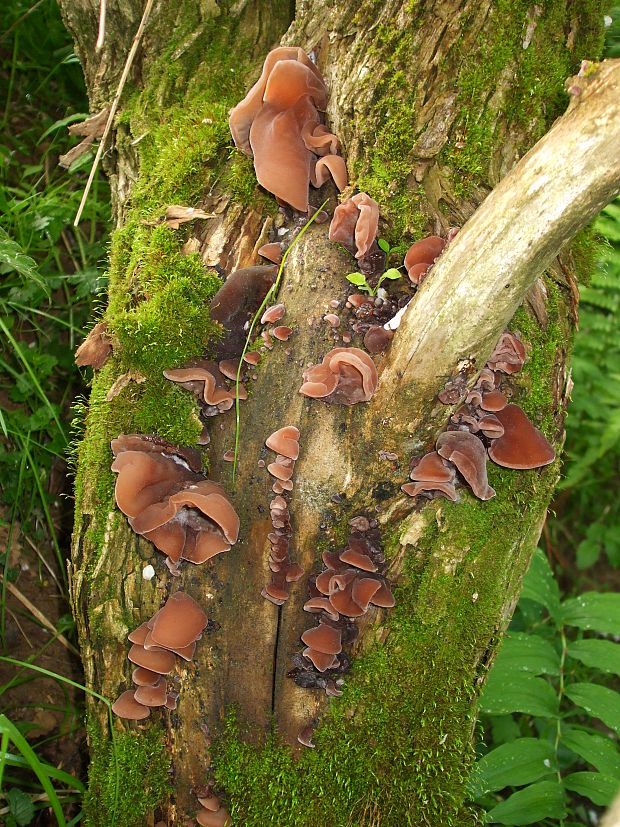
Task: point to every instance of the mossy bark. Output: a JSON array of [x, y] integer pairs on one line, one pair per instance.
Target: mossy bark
[[434, 106]]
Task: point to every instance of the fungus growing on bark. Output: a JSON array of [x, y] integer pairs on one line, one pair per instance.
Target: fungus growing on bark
[[305, 736], [432, 474], [281, 333], [236, 302], [343, 591], [285, 442], [205, 380], [173, 630], [508, 354], [355, 224], [467, 452], [278, 123], [126, 706], [273, 314], [272, 252], [522, 445], [377, 338], [346, 376], [178, 510], [421, 256]]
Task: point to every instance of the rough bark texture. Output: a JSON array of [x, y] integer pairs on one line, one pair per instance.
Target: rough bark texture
[[432, 109]]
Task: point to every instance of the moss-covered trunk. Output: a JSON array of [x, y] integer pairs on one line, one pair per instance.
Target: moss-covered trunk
[[434, 104]]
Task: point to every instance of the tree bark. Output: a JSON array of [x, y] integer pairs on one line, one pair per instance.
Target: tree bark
[[429, 133]]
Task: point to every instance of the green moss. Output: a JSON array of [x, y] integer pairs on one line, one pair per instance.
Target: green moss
[[130, 775]]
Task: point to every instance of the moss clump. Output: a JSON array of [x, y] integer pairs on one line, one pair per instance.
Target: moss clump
[[129, 775]]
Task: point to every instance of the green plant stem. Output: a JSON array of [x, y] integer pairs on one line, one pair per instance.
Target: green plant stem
[[270, 295], [558, 734]]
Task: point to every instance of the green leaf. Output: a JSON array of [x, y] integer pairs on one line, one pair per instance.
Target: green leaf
[[507, 690], [528, 653], [600, 789], [383, 245], [531, 805], [20, 806], [392, 274], [12, 257], [511, 765], [540, 585], [593, 610], [599, 701], [601, 654], [597, 750], [356, 278]]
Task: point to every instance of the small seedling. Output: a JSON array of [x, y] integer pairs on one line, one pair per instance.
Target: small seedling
[[359, 280]]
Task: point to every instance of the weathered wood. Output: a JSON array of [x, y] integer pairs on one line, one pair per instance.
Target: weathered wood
[[360, 47]]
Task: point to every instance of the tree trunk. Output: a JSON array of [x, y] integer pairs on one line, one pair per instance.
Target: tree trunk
[[434, 104]]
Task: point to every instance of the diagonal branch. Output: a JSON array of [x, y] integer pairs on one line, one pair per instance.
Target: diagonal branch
[[478, 284]]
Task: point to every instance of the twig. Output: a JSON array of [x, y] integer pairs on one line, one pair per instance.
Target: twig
[[45, 563], [19, 626], [101, 35], [40, 617], [114, 107]]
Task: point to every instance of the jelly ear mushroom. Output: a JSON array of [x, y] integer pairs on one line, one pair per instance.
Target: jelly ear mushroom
[[243, 114], [508, 355], [126, 706], [178, 510], [355, 224], [421, 256], [468, 454], [179, 622], [522, 445], [237, 299], [347, 376], [285, 441]]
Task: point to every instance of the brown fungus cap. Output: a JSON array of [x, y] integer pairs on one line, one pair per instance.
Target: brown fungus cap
[[424, 486], [508, 355], [182, 513], [285, 441], [321, 660], [522, 446], [467, 452], [493, 401], [423, 252], [179, 622], [271, 251], [273, 314], [126, 706], [144, 677], [346, 376], [377, 338], [355, 224], [155, 660], [154, 695], [282, 333], [324, 639], [279, 124], [236, 301], [433, 468]]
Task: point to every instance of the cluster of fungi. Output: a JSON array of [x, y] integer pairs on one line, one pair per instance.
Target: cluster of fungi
[[353, 579], [161, 488], [485, 423], [171, 632], [285, 442]]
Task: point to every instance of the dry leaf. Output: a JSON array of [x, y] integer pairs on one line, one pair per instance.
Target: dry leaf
[[95, 349], [91, 129], [123, 380], [176, 215]]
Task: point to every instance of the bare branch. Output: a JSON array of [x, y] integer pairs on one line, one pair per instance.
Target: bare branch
[[477, 285]]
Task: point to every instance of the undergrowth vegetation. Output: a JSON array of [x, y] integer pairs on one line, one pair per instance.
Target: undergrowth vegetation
[[51, 275]]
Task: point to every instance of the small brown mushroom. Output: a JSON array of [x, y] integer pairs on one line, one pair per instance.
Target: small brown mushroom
[[179, 622], [467, 452], [521, 446], [346, 376], [508, 355], [305, 736], [285, 441], [282, 333], [421, 256], [126, 706], [355, 224], [152, 695], [324, 639], [377, 338], [272, 252]]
